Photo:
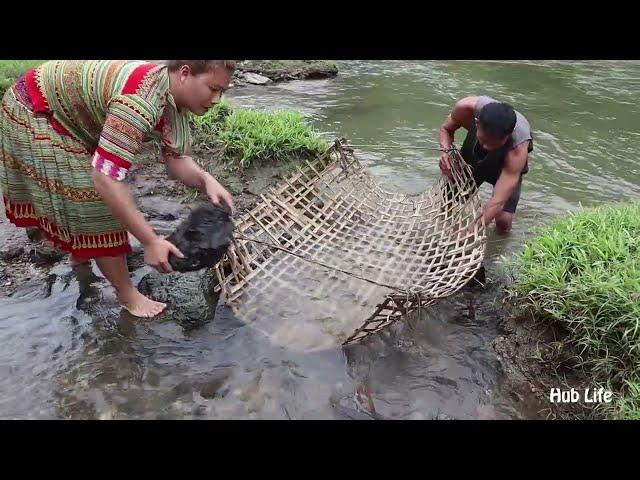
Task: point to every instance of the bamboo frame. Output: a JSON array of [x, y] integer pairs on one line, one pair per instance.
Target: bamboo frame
[[411, 250]]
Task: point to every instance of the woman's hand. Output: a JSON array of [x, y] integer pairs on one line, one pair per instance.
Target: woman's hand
[[156, 254], [188, 172], [217, 193]]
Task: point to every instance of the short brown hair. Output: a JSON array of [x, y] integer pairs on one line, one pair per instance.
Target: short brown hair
[[201, 66]]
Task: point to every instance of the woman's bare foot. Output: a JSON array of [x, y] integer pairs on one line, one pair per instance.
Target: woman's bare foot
[[115, 270], [139, 305]]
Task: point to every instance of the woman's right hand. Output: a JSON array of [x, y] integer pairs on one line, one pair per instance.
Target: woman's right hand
[[156, 254]]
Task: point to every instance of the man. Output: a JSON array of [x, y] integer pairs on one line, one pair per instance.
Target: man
[[497, 147]]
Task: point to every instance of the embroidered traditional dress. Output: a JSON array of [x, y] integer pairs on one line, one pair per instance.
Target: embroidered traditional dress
[[61, 118]]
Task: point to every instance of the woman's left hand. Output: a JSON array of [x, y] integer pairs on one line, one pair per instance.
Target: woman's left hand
[[217, 193]]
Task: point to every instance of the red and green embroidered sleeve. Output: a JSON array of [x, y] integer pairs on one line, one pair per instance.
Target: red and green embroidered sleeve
[[132, 116]]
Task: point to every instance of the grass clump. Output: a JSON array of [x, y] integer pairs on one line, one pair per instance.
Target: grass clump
[[583, 272], [628, 407], [248, 136], [10, 70]]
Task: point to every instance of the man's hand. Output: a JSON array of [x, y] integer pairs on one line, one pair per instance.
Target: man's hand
[[462, 115], [467, 230], [445, 165], [156, 254], [217, 193]]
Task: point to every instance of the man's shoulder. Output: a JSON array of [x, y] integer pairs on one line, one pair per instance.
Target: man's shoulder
[[483, 100], [522, 131]]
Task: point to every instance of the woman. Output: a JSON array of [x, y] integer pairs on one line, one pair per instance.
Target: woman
[[69, 132]]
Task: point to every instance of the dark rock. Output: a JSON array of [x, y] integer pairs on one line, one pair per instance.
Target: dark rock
[[210, 388], [190, 297], [183, 388], [45, 254], [200, 410], [283, 70], [34, 234], [11, 252], [12, 240], [161, 208], [135, 259], [152, 378], [203, 238]]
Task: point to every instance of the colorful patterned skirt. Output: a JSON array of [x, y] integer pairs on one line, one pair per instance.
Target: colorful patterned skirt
[[45, 179]]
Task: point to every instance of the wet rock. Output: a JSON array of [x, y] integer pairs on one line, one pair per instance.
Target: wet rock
[[34, 234], [37, 288], [153, 379], [256, 79], [12, 240], [443, 416], [161, 208], [189, 296], [200, 234], [135, 259], [283, 70], [11, 252], [211, 388], [200, 410], [203, 238], [45, 254], [183, 388], [28, 244]]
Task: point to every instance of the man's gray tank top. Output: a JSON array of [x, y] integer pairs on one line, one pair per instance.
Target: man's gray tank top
[[488, 169]]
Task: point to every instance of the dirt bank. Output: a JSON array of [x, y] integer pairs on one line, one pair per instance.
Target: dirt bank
[[528, 352]]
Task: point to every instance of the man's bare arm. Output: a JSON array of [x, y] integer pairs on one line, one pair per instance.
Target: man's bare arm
[[462, 115], [514, 163]]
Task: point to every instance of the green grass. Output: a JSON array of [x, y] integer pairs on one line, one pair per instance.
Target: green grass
[[10, 70], [248, 137], [628, 407], [583, 272]]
